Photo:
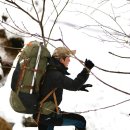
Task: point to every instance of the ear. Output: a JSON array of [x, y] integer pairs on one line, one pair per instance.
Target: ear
[[61, 60]]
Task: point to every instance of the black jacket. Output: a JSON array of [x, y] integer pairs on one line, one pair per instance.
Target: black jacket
[[56, 77]]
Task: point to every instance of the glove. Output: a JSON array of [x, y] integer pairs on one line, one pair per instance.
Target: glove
[[89, 64], [83, 88]]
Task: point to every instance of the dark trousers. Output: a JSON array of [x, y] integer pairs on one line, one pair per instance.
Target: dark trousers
[[48, 122]]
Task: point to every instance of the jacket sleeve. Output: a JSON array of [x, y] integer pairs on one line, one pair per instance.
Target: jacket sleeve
[[76, 84]]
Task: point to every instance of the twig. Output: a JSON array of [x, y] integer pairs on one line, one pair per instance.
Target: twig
[[118, 72], [119, 56]]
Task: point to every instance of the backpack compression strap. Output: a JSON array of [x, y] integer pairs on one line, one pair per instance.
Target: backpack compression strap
[[36, 67], [22, 72], [42, 103]]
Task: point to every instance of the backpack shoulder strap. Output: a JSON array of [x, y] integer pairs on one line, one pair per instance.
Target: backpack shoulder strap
[[44, 99], [55, 100]]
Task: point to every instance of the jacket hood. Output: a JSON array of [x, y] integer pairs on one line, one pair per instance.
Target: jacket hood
[[55, 64]]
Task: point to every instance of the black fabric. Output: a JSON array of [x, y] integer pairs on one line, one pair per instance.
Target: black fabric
[[84, 73], [30, 101], [15, 77], [52, 119], [84, 87], [55, 64]]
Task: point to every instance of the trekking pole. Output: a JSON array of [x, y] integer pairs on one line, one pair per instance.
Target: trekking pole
[[36, 67]]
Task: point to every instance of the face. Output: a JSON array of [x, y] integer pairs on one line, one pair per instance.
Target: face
[[65, 61]]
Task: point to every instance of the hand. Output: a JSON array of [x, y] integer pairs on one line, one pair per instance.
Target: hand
[[83, 88], [89, 64]]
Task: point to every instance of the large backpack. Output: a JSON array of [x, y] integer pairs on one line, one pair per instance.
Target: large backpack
[[30, 68]]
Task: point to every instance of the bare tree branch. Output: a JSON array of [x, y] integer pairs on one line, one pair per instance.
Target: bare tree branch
[[102, 108], [19, 7], [58, 14], [110, 71], [119, 56]]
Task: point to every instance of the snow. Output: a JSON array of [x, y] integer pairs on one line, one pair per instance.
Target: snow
[[98, 105]]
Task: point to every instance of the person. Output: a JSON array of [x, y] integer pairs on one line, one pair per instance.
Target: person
[[56, 77], [4, 125]]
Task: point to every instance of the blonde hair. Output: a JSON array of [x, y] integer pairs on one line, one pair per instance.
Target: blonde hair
[[62, 52], [4, 125]]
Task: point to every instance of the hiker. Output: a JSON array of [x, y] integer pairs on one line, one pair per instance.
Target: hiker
[[56, 77]]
